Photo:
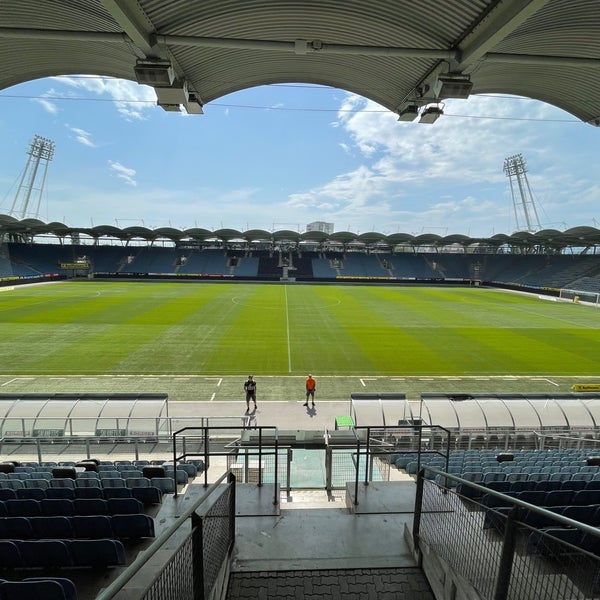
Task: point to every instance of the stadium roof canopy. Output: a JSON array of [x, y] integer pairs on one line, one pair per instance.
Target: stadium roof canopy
[[403, 54], [576, 237]]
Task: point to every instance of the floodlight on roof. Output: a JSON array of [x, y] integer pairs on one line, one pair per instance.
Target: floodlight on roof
[[431, 114], [154, 72], [452, 86], [193, 106], [408, 112]]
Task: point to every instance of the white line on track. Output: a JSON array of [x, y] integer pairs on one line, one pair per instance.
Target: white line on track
[[547, 380], [363, 379], [219, 380], [213, 396]]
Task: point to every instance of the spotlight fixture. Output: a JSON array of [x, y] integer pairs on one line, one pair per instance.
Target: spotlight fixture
[[154, 72], [193, 106], [452, 86], [431, 114], [408, 112]]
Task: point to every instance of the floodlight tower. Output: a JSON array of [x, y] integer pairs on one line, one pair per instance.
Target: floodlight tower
[[523, 203], [39, 155]]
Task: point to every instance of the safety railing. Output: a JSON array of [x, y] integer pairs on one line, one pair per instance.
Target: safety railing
[[200, 541], [506, 548], [225, 441], [376, 443]]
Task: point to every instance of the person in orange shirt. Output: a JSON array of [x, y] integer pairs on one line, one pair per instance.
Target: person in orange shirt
[[311, 386]]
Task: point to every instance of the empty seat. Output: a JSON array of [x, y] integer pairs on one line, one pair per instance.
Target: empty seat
[[57, 493], [7, 494], [51, 527], [122, 506], [89, 492], [90, 506], [62, 482], [97, 553], [57, 507], [147, 495], [68, 587], [116, 492], [31, 494], [37, 482], [152, 471], [45, 553], [92, 527], [165, 484], [10, 556], [133, 526], [113, 482], [16, 528], [88, 482], [64, 472], [23, 508]]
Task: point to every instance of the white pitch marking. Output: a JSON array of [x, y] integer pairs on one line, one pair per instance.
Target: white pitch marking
[[213, 396], [397, 378], [219, 380], [547, 380], [363, 379]]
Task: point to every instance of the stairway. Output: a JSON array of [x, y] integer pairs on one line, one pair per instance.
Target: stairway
[[314, 546]]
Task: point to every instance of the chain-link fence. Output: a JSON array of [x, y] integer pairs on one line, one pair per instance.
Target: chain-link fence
[[505, 548]]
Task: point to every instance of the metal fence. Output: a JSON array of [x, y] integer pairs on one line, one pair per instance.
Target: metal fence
[[200, 542], [505, 548]]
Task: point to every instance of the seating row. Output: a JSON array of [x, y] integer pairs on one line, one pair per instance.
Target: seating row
[[19, 554], [63, 507], [544, 499], [589, 514], [36, 588], [77, 527], [165, 484], [146, 495]]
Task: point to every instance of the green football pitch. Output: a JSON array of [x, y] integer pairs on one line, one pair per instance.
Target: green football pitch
[[148, 330]]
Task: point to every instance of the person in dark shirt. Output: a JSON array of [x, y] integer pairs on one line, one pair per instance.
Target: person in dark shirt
[[250, 389]]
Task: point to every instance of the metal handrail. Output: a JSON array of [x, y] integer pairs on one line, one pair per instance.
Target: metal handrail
[[143, 557]]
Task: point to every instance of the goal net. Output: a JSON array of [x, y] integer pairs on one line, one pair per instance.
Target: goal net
[[567, 295]]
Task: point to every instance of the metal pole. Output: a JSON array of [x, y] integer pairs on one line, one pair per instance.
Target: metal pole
[[418, 511], [275, 491], [367, 456], [508, 552], [356, 478]]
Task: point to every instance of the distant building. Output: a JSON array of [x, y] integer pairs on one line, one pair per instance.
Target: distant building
[[320, 226]]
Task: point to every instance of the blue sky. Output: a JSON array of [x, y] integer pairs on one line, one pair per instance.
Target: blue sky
[[279, 157]]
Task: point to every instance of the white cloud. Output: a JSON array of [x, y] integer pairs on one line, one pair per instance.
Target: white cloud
[[133, 101], [45, 101], [82, 136], [123, 172]]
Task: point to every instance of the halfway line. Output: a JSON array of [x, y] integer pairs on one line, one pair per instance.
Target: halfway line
[[287, 329]]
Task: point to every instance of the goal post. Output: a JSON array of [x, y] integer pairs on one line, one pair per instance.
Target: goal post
[[575, 296]]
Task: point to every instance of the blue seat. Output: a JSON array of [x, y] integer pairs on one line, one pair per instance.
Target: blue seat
[[586, 497], [23, 508], [51, 527], [165, 484], [558, 497], [10, 555], [37, 483], [16, 528], [68, 587], [147, 495], [90, 506], [89, 492], [97, 553], [88, 482], [554, 541], [57, 507], [124, 506], [92, 526], [60, 493], [6, 494], [133, 526], [31, 494], [112, 482], [116, 492], [45, 553], [588, 514]]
